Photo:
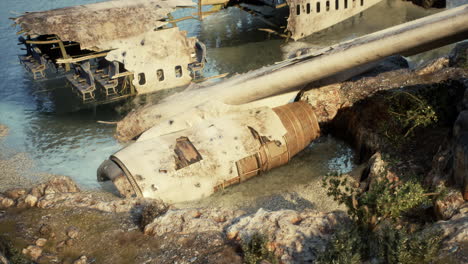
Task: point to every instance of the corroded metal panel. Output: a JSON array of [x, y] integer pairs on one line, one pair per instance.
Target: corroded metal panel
[[309, 16]]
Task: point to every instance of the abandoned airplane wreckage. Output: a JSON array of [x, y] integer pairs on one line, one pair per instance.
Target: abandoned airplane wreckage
[[113, 50]]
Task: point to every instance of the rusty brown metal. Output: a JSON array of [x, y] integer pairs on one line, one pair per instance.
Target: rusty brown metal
[[186, 153], [302, 128], [301, 124]]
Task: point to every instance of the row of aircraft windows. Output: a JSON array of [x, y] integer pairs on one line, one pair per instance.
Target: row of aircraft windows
[[160, 75], [327, 6]]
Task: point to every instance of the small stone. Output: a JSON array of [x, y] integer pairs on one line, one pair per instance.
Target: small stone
[[448, 206], [296, 220], [60, 246], [72, 232], [6, 202], [30, 200], [21, 203], [232, 235], [70, 242], [33, 251], [47, 259], [40, 242], [45, 230], [61, 184], [81, 260], [15, 193], [196, 214], [220, 219], [38, 190]]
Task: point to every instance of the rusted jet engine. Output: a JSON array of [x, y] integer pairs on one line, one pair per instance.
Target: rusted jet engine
[[237, 144]]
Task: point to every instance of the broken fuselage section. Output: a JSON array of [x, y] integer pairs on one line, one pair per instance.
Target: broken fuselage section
[[303, 17], [225, 146], [111, 50]]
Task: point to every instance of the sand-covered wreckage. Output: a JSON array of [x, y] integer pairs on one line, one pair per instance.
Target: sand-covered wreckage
[[199, 141], [111, 50]]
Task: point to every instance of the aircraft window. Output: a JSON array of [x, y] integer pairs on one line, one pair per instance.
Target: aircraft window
[[318, 7], [141, 79], [328, 5], [298, 9], [308, 8], [160, 74], [178, 71], [345, 3], [337, 4]]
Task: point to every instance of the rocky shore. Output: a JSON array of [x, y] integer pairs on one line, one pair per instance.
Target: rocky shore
[[407, 126]]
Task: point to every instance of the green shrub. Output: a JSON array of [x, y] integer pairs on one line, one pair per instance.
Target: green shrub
[[256, 250], [11, 252], [385, 200], [376, 232], [391, 245], [345, 247]]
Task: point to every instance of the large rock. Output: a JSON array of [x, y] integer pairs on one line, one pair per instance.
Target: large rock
[[460, 152], [33, 251], [376, 170], [455, 234], [87, 200], [459, 55], [186, 221], [295, 237], [6, 202], [448, 206]]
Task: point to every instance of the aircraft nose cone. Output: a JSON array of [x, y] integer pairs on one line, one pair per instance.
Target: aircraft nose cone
[[109, 171]]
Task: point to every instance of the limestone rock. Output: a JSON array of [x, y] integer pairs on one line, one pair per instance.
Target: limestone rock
[[376, 170], [81, 260], [459, 55], [448, 206], [38, 190], [45, 230], [3, 259], [434, 66], [30, 200], [70, 242], [460, 152], [15, 193], [47, 259], [455, 230], [87, 200], [61, 184], [40, 242], [72, 232], [33, 251], [292, 240], [6, 202], [192, 221], [3, 131]]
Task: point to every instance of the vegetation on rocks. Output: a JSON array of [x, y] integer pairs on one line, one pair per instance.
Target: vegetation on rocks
[[379, 231], [151, 211], [256, 250]]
